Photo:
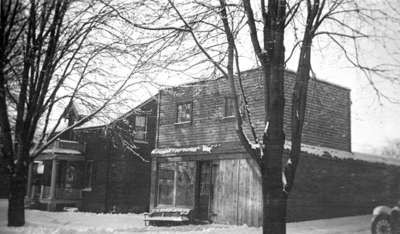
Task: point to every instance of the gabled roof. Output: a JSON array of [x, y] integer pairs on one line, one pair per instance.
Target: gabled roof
[[102, 121], [74, 109]]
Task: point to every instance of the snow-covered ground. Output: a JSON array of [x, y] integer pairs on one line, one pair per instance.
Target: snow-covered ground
[[42, 222]]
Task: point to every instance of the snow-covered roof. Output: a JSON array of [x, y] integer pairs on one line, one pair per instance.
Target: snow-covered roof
[[182, 210], [195, 149], [61, 151], [111, 114], [97, 121], [60, 154], [323, 151], [311, 149]]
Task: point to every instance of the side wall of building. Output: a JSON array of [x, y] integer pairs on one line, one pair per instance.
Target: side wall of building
[[97, 150], [324, 188], [237, 188], [121, 179]]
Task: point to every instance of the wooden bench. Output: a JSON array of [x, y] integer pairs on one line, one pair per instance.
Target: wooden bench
[[169, 216]]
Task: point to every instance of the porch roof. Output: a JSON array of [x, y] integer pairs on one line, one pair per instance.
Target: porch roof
[[200, 149], [232, 148], [60, 154]]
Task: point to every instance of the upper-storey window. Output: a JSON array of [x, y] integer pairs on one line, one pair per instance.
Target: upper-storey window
[[140, 127], [184, 112], [229, 107]]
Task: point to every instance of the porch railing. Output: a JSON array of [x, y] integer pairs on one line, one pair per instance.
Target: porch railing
[[60, 193]]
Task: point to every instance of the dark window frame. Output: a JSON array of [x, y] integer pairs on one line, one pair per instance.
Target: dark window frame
[[145, 128], [176, 186], [226, 105], [177, 112]]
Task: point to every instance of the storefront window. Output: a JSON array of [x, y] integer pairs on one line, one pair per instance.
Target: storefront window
[[166, 175], [176, 183], [185, 183]]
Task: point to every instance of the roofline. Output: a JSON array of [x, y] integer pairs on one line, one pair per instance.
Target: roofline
[[321, 81], [255, 69], [89, 128], [147, 101], [140, 105]]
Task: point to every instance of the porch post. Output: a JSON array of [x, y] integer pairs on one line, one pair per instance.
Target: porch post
[[153, 183], [53, 180]]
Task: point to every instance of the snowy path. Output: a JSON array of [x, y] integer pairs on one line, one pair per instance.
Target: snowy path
[[42, 222]]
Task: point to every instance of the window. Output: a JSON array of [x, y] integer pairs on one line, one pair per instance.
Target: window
[[166, 177], [176, 184], [229, 107], [88, 179], [184, 112], [185, 178], [140, 127], [38, 167]]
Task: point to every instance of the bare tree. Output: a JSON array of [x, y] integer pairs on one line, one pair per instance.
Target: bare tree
[[54, 52], [212, 34]]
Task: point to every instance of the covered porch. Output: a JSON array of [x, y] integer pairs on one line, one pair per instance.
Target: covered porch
[[56, 178]]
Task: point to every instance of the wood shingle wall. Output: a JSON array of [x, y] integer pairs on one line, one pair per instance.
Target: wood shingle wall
[[327, 119]]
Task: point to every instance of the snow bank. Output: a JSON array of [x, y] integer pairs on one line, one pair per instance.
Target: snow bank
[[43, 222]]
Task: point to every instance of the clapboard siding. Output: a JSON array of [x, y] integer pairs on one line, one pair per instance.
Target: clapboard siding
[[121, 179]]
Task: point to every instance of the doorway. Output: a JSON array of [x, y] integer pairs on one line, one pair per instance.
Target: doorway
[[205, 189]]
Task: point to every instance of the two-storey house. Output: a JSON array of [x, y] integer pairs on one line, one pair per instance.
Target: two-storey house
[[200, 164], [100, 166]]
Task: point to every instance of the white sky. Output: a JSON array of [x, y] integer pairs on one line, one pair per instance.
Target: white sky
[[374, 123]]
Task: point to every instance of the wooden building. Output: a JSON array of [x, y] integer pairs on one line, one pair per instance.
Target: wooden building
[[110, 172], [199, 163]]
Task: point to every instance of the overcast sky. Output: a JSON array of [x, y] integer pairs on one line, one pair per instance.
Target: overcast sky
[[375, 122]]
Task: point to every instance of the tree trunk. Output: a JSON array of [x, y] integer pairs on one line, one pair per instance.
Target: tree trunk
[[17, 188], [16, 209], [274, 197], [274, 209]]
